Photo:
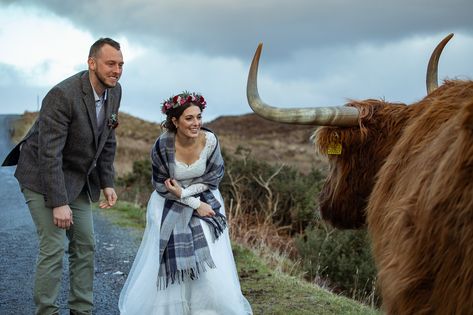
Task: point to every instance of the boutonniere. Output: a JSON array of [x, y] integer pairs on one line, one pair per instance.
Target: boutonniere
[[113, 121]]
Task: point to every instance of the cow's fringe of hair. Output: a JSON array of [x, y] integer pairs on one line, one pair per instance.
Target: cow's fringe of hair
[[367, 109]]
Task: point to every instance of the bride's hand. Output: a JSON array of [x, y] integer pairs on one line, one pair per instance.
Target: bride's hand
[[205, 210], [173, 187]]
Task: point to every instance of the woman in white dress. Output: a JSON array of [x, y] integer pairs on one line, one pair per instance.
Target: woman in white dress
[[185, 263]]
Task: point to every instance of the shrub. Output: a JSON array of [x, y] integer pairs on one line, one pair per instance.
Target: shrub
[[279, 191], [340, 258], [136, 186]]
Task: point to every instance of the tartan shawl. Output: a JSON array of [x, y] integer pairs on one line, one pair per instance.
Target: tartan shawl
[[183, 249]]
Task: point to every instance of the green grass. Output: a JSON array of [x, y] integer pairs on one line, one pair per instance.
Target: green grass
[[126, 214], [274, 293], [268, 292]]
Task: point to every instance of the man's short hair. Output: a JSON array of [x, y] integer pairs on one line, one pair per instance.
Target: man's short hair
[[95, 48]]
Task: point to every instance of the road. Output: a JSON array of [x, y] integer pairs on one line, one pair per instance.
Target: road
[[115, 249]]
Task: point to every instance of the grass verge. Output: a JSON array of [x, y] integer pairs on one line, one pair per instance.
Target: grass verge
[[126, 214], [268, 291]]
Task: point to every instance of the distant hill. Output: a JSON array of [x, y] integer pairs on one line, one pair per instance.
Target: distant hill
[[258, 137], [267, 140]]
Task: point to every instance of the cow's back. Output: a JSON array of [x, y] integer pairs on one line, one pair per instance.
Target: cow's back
[[420, 213]]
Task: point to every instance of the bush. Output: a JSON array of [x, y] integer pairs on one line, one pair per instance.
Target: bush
[[342, 256], [281, 192], [136, 186]]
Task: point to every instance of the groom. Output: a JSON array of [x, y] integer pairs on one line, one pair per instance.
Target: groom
[[63, 162]]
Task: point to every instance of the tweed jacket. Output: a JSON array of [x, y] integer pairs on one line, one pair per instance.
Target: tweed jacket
[[63, 153]]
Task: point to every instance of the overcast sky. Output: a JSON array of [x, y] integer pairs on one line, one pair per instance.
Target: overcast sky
[[316, 53]]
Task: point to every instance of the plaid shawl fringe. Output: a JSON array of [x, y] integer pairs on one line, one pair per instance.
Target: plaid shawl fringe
[[184, 252], [181, 276]]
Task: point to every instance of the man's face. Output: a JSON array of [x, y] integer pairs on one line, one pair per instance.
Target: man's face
[[107, 66]]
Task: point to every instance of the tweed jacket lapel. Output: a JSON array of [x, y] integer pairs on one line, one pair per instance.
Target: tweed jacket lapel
[[89, 102], [106, 128]]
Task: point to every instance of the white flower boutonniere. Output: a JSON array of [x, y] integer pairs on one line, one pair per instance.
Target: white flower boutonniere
[[113, 121]]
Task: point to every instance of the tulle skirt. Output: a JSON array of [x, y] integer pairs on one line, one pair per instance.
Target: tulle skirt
[[216, 291]]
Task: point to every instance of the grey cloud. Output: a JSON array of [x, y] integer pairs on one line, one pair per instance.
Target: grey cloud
[[8, 75], [20, 99], [17, 95], [311, 49], [233, 28]]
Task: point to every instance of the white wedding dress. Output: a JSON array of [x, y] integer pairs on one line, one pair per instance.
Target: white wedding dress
[[216, 291]]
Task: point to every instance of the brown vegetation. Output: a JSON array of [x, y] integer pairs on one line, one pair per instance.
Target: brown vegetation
[[134, 138], [262, 139], [267, 141]]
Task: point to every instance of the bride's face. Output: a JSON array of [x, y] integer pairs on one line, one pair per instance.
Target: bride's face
[[190, 122]]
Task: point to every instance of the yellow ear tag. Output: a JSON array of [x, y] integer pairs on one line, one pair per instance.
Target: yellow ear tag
[[334, 148]]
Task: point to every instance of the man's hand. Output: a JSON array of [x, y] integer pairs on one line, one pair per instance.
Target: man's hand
[[62, 217], [173, 187], [110, 198]]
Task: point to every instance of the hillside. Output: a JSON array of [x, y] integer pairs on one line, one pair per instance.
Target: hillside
[[267, 140], [261, 138]]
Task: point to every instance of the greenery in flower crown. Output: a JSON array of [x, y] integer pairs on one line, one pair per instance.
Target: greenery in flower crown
[[183, 99]]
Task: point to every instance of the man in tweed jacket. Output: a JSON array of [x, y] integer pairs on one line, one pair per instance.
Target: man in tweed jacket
[[64, 161]]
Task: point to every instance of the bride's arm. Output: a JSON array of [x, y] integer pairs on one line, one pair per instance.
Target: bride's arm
[[192, 202], [193, 189], [187, 193]]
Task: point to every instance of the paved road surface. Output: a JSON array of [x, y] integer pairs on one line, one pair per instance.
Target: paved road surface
[[115, 249]]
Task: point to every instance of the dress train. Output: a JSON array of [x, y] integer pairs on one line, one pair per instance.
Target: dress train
[[217, 291]]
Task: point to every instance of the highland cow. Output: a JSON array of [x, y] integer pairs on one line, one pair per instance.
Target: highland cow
[[405, 173]]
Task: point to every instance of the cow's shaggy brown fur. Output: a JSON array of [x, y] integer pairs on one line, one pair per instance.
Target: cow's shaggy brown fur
[[407, 172]]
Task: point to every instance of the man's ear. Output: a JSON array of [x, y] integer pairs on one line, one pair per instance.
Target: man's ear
[[92, 63]]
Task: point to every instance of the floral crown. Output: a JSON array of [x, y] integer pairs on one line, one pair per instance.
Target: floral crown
[[183, 99]]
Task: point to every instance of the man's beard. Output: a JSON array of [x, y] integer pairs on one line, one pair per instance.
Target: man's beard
[[108, 86]]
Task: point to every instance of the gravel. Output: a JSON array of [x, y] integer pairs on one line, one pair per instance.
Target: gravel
[[115, 249]]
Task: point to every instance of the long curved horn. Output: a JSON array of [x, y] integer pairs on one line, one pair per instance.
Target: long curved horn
[[321, 116], [431, 79]]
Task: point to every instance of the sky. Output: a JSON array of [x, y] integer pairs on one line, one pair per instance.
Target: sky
[[315, 53]]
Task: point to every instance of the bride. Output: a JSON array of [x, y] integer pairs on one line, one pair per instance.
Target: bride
[[185, 263]]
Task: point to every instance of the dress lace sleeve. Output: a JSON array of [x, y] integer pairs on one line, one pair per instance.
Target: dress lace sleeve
[[192, 202], [193, 190], [187, 193]]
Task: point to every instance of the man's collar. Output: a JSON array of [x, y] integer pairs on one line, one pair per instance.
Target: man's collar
[[96, 96]]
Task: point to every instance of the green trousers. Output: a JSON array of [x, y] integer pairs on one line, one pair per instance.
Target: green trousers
[[52, 245]]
